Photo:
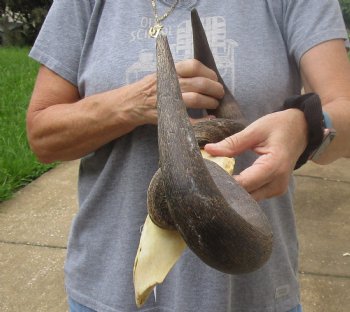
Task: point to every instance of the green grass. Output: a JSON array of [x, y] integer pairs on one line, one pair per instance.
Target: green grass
[[18, 165]]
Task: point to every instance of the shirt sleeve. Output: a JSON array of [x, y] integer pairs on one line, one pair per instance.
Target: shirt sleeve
[[61, 39], [308, 23]]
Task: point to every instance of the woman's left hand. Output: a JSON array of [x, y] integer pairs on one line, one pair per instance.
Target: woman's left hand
[[279, 138]]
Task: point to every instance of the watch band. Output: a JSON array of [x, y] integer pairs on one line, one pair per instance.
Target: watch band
[[310, 105]]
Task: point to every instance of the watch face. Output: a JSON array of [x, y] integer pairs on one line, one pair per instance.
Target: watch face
[[328, 136]]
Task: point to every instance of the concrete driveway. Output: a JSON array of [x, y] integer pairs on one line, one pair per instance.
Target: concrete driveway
[[35, 223]]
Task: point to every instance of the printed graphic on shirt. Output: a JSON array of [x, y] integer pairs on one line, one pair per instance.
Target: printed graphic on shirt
[[180, 39], [185, 3], [282, 291]]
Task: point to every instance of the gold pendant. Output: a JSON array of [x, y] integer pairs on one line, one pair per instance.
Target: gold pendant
[[155, 30]]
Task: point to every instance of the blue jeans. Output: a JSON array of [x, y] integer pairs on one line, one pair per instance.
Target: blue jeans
[[77, 307], [296, 309]]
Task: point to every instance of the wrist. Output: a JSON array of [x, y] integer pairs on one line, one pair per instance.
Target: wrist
[[134, 105], [300, 128], [143, 100]]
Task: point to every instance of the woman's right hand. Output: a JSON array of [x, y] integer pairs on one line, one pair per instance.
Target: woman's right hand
[[61, 126], [199, 85]]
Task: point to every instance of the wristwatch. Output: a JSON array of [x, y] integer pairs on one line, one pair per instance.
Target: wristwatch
[[328, 136], [320, 129]]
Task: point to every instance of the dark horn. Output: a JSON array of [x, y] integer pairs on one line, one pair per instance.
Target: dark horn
[[217, 218], [228, 108]]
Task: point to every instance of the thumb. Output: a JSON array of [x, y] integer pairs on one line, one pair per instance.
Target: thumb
[[233, 145]]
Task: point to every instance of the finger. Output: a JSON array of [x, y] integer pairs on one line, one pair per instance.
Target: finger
[[194, 68], [202, 85], [259, 174], [270, 190], [235, 144], [267, 177], [196, 100]]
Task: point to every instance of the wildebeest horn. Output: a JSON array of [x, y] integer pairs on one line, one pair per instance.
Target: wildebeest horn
[[217, 218], [229, 119], [228, 107]]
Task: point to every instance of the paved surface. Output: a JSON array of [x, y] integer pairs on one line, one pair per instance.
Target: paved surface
[[35, 224]]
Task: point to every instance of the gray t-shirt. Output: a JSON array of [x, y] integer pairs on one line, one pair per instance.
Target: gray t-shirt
[[100, 45]]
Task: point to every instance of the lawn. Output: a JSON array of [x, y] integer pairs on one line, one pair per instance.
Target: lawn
[[18, 165]]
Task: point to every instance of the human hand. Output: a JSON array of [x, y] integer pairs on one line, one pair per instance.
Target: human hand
[[279, 138], [199, 86]]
